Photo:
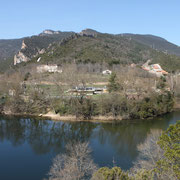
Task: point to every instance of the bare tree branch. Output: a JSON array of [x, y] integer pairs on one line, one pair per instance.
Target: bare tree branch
[[76, 164]]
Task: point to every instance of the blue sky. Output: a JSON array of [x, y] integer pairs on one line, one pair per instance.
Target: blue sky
[[20, 18]]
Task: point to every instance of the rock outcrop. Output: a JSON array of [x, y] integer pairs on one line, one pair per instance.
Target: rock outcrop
[[27, 52], [49, 32], [23, 46], [89, 32], [20, 57], [35, 45]]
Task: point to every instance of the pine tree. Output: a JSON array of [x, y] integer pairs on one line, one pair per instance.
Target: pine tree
[[113, 85]]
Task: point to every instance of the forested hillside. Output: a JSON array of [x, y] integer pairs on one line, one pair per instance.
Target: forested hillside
[[106, 48], [36, 43], [155, 42], [9, 47], [90, 46]]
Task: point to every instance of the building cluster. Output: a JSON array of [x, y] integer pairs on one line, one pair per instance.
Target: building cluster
[[53, 68], [154, 69], [87, 90]]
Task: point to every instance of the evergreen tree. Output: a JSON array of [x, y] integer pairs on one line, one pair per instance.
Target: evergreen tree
[[170, 143], [113, 85]]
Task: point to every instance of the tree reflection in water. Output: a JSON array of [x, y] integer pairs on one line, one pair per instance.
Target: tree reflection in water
[[46, 136], [43, 135]]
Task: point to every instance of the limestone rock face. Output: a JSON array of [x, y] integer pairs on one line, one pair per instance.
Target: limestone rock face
[[20, 57], [42, 51], [88, 32], [23, 45], [49, 32]]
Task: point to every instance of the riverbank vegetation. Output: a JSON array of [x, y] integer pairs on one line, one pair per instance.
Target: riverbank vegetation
[[131, 92]]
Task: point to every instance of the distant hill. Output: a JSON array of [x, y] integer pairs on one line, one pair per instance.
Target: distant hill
[[83, 48], [9, 47], [106, 48], [155, 42], [90, 46]]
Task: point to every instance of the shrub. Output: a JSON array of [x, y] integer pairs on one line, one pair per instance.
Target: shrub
[[27, 76], [110, 174]]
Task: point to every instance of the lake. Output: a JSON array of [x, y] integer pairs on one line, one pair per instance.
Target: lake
[[28, 145]]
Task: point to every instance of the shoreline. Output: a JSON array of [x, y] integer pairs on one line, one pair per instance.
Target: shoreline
[[58, 117], [69, 118]]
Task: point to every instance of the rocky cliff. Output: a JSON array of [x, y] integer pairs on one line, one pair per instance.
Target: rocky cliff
[[35, 45], [20, 57], [49, 32]]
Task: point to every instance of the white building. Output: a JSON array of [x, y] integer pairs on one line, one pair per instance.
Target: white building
[[53, 68], [107, 72]]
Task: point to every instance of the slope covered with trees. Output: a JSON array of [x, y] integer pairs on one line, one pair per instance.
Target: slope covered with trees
[[90, 46], [9, 47], [105, 48], [35, 43], [155, 42]]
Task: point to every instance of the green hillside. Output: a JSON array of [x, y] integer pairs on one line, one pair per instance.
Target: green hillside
[[106, 48], [6, 64], [9, 47], [97, 49], [36, 43], [155, 42], [90, 46]]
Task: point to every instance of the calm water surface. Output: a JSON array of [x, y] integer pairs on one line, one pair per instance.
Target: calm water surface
[[28, 145]]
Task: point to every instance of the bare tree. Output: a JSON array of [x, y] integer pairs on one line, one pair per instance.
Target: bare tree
[[76, 164], [149, 151]]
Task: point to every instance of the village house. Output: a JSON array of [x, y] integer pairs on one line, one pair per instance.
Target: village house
[[12, 92], [107, 72], [53, 68], [87, 90], [154, 69]]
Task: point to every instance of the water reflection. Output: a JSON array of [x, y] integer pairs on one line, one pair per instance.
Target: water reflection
[[107, 140], [43, 135]]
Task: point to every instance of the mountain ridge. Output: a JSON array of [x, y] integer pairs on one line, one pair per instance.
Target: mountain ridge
[[118, 48], [155, 42], [9, 47], [105, 48]]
